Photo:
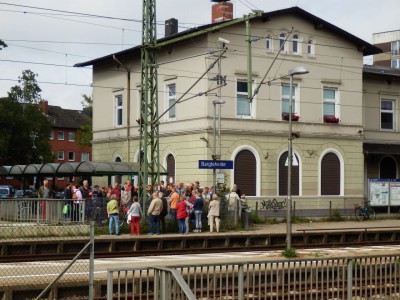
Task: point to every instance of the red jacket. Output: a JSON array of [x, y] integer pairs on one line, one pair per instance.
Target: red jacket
[[181, 212]]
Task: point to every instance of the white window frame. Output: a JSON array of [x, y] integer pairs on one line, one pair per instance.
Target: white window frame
[[69, 156], [311, 48], [51, 135], [296, 42], [296, 99], [282, 38], [386, 111], [71, 136], [252, 104], [60, 135], [395, 48], [119, 110], [336, 101], [269, 43], [84, 154], [60, 155], [395, 63], [170, 99]]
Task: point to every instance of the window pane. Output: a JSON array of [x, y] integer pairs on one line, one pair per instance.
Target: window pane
[[386, 120], [243, 105], [172, 110], [119, 100], [171, 90], [329, 109], [84, 156], [386, 105], [329, 94], [71, 136], [61, 135], [119, 117], [242, 87]]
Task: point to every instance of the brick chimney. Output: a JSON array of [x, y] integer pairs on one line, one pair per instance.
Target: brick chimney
[[171, 27], [44, 106], [221, 11]]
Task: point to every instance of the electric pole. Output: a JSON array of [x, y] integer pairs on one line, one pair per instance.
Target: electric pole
[[149, 139]]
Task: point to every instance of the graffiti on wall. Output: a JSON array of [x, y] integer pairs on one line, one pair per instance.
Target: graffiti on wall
[[273, 204]]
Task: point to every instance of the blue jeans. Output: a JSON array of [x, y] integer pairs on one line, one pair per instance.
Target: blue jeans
[[172, 212], [154, 219], [182, 225], [114, 218], [197, 214]]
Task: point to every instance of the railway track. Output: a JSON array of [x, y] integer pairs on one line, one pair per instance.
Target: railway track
[[31, 252]]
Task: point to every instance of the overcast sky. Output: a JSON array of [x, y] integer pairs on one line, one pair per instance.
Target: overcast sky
[[43, 37]]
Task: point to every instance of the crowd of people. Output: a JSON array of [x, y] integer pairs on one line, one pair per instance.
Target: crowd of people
[[189, 205]]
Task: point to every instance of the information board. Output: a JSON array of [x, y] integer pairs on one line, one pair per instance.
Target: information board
[[384, 192], [395, 193]]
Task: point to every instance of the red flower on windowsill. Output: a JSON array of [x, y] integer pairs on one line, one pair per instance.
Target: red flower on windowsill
[[285, 117], [331, 119]]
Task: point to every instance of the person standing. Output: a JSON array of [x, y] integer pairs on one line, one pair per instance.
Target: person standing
[[112, 210], [135, 212], [173, 202], [198, 211], [213, 213], [164, 212], [154, 211], [181, 214], [45, 192]]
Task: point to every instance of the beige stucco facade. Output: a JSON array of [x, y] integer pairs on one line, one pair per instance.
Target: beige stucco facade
[[335, 62]]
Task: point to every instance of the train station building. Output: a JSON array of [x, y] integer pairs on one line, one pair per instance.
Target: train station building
[[345, 120]]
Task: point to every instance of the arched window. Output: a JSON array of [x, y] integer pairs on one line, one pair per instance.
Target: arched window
[[245, 176], [283, 175], [268, 43], [387, 168], [330, 174], [310, 48], [171, 168], [282, 44], [295, 44]]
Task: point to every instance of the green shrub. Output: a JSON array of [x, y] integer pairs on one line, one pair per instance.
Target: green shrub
[[290, 252]]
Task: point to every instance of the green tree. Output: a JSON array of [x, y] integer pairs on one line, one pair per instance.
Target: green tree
[[24, 129], [84, 134]]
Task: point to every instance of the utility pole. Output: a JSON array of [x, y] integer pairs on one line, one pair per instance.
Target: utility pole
[[149, 138]]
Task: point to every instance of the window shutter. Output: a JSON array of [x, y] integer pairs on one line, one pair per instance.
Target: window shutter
[[330, 175], [246, 172]]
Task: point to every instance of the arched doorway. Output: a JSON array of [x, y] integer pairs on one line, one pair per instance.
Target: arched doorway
[[245, 172], [118, 178], [171, 168], [330, 174], [387, 168], [283, 175]]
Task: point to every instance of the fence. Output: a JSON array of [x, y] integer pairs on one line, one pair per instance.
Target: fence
[[373, 277], [32, 269], [52, 211]]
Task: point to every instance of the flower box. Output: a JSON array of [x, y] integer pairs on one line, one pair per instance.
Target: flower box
[[331, 119], [285, 117]]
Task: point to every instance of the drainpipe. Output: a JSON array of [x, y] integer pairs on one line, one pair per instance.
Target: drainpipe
[[128, 106]]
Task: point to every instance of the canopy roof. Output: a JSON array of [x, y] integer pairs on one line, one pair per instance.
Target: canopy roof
[[84, 168]]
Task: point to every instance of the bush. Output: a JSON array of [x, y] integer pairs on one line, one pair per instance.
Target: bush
[[291, 252]]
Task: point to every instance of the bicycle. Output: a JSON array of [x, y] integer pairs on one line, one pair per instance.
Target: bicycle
[[364, 212]]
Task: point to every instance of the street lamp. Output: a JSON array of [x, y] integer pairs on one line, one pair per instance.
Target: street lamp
[[214, 157], [291, 73]]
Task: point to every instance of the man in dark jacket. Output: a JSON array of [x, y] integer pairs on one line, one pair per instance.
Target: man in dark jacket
[[164, 212]]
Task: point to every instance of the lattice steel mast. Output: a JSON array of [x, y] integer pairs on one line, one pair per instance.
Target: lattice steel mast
[[149, 139]]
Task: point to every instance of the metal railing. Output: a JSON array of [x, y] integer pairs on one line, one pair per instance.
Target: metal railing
[[52, 211], [372, 277]]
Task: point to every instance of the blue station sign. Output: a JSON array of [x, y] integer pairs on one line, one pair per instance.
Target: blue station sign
[[215, 164]]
